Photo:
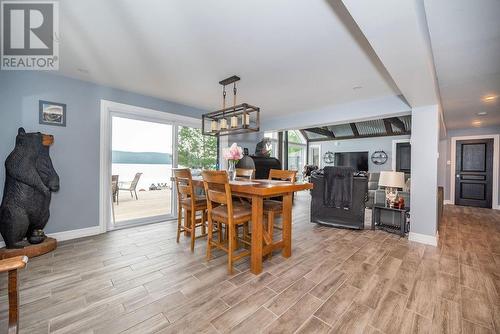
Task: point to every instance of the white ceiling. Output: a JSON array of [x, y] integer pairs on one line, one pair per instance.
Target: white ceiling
[[465, 38], [292, 55]]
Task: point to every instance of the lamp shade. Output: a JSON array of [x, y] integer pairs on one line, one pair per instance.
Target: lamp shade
[[392, 179]]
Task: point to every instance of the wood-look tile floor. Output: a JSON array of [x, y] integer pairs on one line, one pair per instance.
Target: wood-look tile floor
[[140, 280]]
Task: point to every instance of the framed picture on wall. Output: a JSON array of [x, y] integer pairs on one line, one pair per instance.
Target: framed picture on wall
[[51, 113]]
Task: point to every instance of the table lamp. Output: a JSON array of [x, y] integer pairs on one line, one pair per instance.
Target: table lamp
[[391, 181]]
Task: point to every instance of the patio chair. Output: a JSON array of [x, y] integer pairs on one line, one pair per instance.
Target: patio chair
[[114, 188], [130, 186]]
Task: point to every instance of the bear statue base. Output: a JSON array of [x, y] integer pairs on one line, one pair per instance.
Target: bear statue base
[[29, 250]]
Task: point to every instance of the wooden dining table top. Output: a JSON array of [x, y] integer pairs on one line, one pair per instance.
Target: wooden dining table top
[[261, 187]]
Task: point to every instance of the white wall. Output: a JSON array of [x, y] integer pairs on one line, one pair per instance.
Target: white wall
[[362, 145], [424, 172]]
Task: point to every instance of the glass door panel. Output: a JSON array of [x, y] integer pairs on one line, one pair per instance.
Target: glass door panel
[[141, 170]]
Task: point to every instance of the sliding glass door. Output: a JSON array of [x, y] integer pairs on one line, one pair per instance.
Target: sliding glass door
[[144, 151], [142, 160]]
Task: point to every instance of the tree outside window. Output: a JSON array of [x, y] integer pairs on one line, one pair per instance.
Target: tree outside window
[[196, 150]]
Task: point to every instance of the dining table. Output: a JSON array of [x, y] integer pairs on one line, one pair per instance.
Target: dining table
[[258, 190]]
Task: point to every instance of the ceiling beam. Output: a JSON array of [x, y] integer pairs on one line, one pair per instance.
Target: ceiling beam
[[361, 136], [304, 134], [397, 123], [354, 129], [321, 131], [398, 33], [388, 127]]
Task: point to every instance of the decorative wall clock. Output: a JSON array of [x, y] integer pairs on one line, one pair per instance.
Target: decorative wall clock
[[329, 157], [379, 157]]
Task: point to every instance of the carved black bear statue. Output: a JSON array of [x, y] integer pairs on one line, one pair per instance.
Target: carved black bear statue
[[29, 181]]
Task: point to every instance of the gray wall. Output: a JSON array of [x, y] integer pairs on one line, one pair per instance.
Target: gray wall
[[75, 153], [445, 151], [361, 145]]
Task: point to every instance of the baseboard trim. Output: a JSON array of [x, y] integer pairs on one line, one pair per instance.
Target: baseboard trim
[[423, 238], [75, 234], [69, 235], [450, 202]]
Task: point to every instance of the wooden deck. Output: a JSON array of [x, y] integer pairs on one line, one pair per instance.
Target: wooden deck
[[139, 280], [149, 204]]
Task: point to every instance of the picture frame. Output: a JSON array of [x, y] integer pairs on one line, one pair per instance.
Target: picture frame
[[51, 113]]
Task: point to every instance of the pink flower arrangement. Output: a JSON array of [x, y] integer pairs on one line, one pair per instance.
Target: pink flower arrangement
[[234, 152]]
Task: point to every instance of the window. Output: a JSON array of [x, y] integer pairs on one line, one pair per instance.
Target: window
[[297, 147], [274, 141], [195, 150], [296, 151], [314, 155]]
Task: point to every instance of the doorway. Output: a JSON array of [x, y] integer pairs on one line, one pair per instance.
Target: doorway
[[142, 159], [474, 179], [474, 173], [138, 149]]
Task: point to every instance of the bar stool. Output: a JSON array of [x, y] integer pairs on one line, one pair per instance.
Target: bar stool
[[249, 174], [223, 211], [11, 266], [274, 208], [191, 203]]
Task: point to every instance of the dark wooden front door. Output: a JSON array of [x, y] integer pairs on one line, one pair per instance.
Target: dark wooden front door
[[474, 173]]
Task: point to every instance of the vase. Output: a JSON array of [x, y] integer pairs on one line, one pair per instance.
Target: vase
[[231, 169]]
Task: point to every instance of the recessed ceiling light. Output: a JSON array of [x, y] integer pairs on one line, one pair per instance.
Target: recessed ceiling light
[[82, 70], [476, 123], [489, 98], [482, 113]]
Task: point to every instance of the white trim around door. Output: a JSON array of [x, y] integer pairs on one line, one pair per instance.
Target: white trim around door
[[108, 110], [496, 158], [394, 151]]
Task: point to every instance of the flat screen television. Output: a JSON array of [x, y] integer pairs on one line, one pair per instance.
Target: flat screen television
[[357, 160]]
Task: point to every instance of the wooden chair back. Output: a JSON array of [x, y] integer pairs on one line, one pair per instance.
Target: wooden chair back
[[184, 184], [218, 190], [246, 173], [284, 175]]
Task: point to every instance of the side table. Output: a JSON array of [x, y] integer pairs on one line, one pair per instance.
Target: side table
[[392, 220]]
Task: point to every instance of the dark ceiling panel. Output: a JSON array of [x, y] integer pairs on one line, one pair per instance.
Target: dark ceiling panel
[[371, 127], [341, 130]]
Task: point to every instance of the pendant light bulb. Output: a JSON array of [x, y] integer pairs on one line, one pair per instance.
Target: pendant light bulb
[[223, 124], [234, 121]]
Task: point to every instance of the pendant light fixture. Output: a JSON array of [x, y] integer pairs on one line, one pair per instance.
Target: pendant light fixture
[[239, 118]]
